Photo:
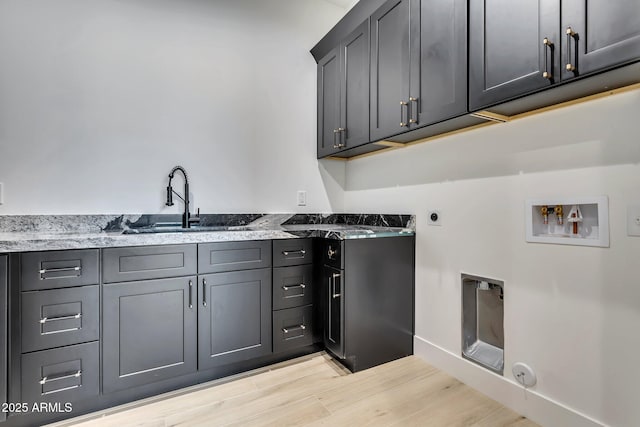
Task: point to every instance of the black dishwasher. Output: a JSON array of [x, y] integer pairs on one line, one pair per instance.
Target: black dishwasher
[[3, 334], [368, 299]]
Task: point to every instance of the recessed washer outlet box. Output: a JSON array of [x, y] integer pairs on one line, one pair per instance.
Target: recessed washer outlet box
[[483, 322]]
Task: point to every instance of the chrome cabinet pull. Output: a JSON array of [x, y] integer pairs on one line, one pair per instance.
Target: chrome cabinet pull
[[53, 319], [402, 105], [341, 136], [412, 120], [57, 270], [548, 46], [335, 276], [335, 132], [66, 375], [571, 36], [301, 285], [204, 292], [295, 328], [301, 252], [190, 294]]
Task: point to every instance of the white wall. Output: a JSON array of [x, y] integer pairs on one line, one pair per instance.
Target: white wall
[[572, 313], [99, 99]]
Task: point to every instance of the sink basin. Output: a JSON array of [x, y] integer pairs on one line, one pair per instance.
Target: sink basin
[[178, 229]]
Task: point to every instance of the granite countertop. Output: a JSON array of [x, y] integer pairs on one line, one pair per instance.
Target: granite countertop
[[31, 233]]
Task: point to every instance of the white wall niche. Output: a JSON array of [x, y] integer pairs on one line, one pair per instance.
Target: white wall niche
[[593, 230]]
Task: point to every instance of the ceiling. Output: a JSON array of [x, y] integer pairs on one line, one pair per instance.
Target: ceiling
[[346, 4]]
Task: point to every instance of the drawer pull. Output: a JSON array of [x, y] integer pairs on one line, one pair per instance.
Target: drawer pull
[[295, 328], [67, 375], [56, 270], [53, 319], [301, 285], [287, 253]]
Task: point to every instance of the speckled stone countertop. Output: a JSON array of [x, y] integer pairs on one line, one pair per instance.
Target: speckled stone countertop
[[40, 233]]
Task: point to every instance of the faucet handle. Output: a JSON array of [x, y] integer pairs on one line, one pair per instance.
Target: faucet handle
[[196, 218]]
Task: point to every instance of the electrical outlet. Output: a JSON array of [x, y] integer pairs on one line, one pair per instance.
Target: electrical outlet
[[302, 198], [633, 220], [1, 193], [434, 218]]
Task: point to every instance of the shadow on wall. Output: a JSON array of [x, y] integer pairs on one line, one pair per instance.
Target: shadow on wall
[[333, 174], [597, 133]]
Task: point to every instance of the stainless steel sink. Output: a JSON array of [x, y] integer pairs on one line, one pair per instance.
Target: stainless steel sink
[[179, 229]]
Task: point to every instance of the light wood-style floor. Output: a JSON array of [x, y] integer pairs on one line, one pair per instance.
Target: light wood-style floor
[[315, 391]]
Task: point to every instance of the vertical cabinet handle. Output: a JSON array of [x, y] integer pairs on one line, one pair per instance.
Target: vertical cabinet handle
[[335, 133], [190, 294], [341, 137], [403, 104], [334, 294], [572, 37], [548, 46], [204, 292], [412, 120]]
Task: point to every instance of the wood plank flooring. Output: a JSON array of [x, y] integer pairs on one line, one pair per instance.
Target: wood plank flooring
[[317, 391]]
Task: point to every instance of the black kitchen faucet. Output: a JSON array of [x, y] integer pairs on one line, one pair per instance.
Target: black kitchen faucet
[[186, 216]]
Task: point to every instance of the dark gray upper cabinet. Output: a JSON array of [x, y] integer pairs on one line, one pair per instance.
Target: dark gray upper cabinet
[[149, 331], [598, 34], [516, 48], [439, 79], [328, 103], [507, 54], [343, 94], [234, 317], [390, 69]]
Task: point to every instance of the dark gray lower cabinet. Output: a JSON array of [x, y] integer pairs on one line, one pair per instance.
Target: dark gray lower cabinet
[[234, 317], [3, 333], [62, 375], [149, 331]]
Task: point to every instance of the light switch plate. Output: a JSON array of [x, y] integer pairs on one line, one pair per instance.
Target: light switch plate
[[633, 220], [302, 198]]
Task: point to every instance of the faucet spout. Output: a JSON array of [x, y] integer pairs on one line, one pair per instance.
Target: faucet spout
[[186, 216]]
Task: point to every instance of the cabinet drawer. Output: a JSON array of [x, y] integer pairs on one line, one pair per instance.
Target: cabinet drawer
[[149, 262], [59, 317], [58, 269], [333, 253], [292, 286], [61, 375], [292, 252], [292, 328], [231, 256]]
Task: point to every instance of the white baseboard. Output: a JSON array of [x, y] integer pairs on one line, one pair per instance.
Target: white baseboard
[[533, 405]]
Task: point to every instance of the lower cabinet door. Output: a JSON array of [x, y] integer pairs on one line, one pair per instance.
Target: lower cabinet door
[[61, 375], [234, 317], [292, 328], [149, 331]]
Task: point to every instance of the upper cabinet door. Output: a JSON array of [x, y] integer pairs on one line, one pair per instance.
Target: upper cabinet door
[[439, 78], [328, 103], [354, 91], [507, 54], [390, 69], [598, 34]]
